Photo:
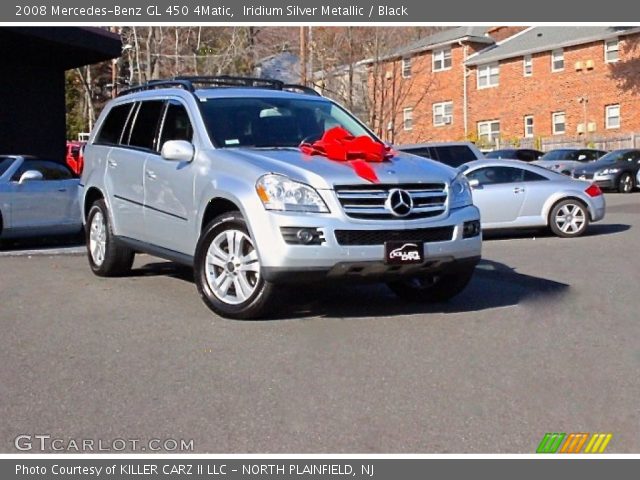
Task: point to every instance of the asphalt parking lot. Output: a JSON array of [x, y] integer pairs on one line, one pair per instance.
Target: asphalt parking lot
[[545, 339]]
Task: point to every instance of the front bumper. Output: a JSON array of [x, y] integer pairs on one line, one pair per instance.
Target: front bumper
[[282, 260]]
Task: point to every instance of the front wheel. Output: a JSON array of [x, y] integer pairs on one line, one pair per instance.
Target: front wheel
[[227, 270], [625, 184], [569, 218], [432, 288]]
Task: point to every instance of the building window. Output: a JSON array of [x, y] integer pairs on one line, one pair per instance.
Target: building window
[[488, 132], [406, 67], [558, 122], [527, 66], [442, 113], [442, 59], [528, 126], [407, 118], [611, 50], [612, 116], [488, 75], [557, 60]]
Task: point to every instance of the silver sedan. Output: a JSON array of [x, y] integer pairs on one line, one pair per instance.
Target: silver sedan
[[514, 194], [37, 197]]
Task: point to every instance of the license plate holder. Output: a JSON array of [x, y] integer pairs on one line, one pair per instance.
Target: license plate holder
[[403, 252]]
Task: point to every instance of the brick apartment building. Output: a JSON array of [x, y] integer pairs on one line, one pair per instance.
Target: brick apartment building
[[537, 86]]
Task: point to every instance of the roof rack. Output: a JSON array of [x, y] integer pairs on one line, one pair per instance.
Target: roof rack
[[189, 83]]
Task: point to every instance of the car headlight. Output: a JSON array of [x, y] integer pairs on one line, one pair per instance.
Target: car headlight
[[460, 192], [608, 171], [278, 192]]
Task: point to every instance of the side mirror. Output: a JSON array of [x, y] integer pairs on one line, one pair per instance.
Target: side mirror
[[30, 176], [178, 151], [475, 183]]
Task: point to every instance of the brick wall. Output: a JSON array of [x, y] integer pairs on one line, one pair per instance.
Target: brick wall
[[546, 92], [516, 96]]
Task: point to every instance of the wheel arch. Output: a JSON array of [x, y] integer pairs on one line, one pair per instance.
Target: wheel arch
[[556, 201]]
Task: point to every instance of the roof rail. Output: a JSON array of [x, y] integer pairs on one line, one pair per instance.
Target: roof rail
[[300, 88], [189, 83], [152, 84]]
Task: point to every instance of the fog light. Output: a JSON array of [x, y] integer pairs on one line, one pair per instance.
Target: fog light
[[302, 235], [471, 229]]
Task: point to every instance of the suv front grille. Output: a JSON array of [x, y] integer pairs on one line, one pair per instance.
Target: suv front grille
[[368, 201], [378, 237]]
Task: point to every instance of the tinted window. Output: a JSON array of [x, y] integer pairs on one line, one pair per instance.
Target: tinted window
[[113, 125], [177, 125], [533, 177], [5, 163], [422, 152], [145, 127], [496, 175], [49, 170], [454, 155], [501, 154], [560, 155], [589, 155]]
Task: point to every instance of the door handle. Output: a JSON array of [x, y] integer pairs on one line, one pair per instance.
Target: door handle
[[518, 190], [62, 189], [151, 175], [112, 163]]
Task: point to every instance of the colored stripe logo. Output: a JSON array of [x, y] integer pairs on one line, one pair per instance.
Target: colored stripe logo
[[574, 442]]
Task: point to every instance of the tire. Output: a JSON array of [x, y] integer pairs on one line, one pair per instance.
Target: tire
[[625, 183], [434, 288], [569, 218], [227, 270], [107, 257]]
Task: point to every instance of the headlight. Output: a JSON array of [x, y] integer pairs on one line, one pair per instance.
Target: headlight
[[278, 192], [460, 192], [608, 171]]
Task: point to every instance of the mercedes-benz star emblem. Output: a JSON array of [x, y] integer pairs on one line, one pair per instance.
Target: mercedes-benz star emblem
[[399, 202]]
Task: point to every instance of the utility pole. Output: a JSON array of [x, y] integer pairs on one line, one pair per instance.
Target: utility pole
[[303, 56]]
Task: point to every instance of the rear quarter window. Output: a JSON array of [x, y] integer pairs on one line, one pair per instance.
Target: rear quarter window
[[112, 127]]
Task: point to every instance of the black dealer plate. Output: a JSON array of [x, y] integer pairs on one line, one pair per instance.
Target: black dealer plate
[[403, 253]]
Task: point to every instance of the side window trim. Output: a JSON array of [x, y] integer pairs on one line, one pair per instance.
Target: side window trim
[[167, 104], [128, 122]]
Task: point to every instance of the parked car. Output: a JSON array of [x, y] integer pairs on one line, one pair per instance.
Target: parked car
[[224, 174], [37, 197], [616, 170], [453, 154], [514, 194], [565, 160], [523, 154], [75, 157]]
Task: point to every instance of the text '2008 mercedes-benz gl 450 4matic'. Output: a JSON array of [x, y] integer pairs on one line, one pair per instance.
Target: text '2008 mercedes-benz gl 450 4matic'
[[259, 185]]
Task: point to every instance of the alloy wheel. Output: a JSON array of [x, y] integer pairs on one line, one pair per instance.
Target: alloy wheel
[[232, 267], [98, 238], [571, 218]]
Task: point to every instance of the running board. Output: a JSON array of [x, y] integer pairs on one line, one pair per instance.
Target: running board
[[156, 251]]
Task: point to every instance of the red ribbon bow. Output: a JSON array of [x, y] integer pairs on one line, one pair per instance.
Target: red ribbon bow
[[340, 145]]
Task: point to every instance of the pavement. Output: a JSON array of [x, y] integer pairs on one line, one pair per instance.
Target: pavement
[[544, 339]]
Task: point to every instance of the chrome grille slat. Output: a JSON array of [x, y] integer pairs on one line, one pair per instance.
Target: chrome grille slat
[[364, 202]]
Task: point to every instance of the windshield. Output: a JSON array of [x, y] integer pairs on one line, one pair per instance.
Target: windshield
[[273, 122], [613, 157], [560, 155]]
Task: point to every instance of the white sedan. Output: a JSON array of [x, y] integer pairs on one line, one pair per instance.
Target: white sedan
[[514, 194], [37, 197]]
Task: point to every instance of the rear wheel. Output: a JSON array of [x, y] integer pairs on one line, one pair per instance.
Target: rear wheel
[[625, 183], [569, 218], [107, 257], [227, 270], [432, 288]]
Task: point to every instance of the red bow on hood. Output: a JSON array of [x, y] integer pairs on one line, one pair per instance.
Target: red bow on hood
[[340, 145]]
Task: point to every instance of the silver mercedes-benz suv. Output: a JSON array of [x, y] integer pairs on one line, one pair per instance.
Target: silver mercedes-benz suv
[[209, 172]]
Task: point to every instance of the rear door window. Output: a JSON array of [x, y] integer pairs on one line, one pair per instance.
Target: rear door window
[[145, 125]]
